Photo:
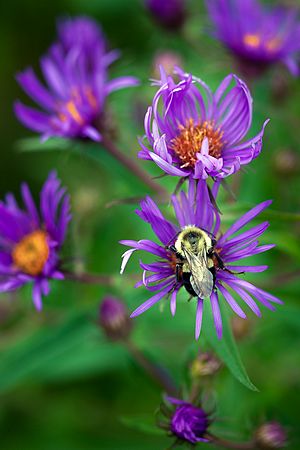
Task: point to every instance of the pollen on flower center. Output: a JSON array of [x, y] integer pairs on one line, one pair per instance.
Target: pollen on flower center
[[31, 253], [252, 40], [189, 141], [172, 260]]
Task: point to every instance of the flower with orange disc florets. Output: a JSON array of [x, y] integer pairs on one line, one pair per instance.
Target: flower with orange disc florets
[[31, 239], [75, 69], [193, 132], [213, 271]]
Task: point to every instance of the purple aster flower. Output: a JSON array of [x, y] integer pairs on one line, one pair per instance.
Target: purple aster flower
[[257, 35], [170, 14], [187, 422], [75, 70], [271, 435], [194, 132], [31, 239], [165, 278]]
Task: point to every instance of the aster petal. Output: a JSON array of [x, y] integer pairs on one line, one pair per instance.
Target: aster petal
[[242, 221], [31, 85], [214, 301], [151, 301], [173, 301], [30, 204], [32, 118], [234, 283], [120, 83], [199, 314], [125, 258], [150, 213], [167, 167], [37, 296], [54, 77], [234, 109], [231, 301]]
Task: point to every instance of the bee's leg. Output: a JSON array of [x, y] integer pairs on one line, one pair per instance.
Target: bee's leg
[[178, 273], [219, 260]]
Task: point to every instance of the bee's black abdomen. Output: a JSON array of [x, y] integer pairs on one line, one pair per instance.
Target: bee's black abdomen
[[213, 271], [187, 284]]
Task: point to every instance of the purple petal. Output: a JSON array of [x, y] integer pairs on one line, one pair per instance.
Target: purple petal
[[216, 313], [244, 220], [151, 301], [120, 83], [231, 301], [32, 118], [199, 314]]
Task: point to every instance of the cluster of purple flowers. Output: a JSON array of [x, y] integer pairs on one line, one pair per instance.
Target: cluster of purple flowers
[[75, 69], [192, 133], [258, 35]]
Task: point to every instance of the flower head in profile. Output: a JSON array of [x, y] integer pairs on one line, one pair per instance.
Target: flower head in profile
[[186, 422], [257, 35], [220, 276], [75, 69], [192, 131], [31, 238], [114, 318], [170, 14]]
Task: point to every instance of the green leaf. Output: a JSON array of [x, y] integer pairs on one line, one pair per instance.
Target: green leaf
[[71, 349], [144, 423], [226, 347]]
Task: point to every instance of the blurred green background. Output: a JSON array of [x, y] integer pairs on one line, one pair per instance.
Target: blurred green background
[[62, 385]]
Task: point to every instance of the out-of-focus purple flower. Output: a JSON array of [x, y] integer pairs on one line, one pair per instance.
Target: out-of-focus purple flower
[[193, 132], [257, 35], [270, 435], [75, 70], [114, 318], [31, 239], [195, 209], [171, 14], [187, 422]]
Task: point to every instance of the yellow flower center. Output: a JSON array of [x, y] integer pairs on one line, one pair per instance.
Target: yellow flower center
[[77, 99], [255, 41], [31, 253], [189, 141], [273, 44], [252, 40]]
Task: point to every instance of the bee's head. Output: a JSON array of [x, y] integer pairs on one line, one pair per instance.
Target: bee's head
[[193, 239]]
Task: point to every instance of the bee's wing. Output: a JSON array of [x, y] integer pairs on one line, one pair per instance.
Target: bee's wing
[[201, 278]]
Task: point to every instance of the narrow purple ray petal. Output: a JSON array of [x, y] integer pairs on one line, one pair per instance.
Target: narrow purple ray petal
[[151, 301], [231, 301], [216, 313], [244, 220], [199, 314]]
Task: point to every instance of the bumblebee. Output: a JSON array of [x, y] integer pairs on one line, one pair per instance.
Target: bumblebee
[[196, 261]]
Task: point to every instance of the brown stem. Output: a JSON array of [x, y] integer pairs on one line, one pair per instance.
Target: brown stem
[[232, 445], [132, 166], [156, 372], [89, 278]]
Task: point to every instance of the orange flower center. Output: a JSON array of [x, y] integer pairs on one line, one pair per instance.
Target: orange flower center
[[77, 99], [31, 253], [189, 141], [252, 40], [255, 41]]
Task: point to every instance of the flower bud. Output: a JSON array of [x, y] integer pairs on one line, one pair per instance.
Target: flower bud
[[240, 327], [167, 60], [170, 14], [189, 423], [204, 364], [287, 162], [114, 319], [270, 435]]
